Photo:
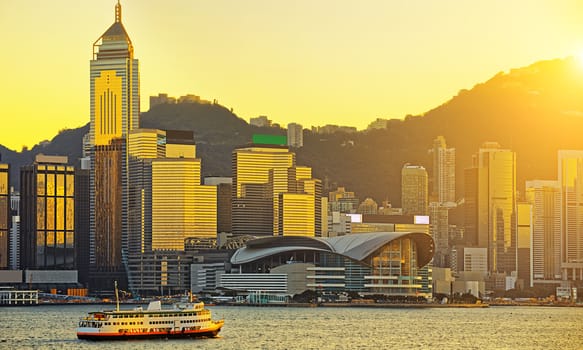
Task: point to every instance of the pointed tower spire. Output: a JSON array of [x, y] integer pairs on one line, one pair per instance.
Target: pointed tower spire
[[118, 12]]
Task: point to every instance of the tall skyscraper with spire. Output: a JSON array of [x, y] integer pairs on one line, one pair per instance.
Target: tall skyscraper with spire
[[115, 111]]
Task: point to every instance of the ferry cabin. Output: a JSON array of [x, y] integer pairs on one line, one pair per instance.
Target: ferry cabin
[[149, 321]]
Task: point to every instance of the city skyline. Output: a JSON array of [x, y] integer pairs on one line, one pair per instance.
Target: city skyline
[[136, 211], [345, 62]]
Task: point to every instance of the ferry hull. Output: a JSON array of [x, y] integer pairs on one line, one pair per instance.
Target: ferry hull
[[201, 333]]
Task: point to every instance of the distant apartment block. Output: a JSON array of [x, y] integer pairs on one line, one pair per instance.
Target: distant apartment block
[[331, 129], [161, 99], [368, 206], [295, 135], [443, 172], [414, 196], [439, 230], [378, 124], [339, 224], [165, 99], [475, 260], [342, 201], [261, 121]]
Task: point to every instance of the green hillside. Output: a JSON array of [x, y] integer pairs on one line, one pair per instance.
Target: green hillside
[[534, 111]]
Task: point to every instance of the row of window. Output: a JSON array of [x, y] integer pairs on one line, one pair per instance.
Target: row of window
[[190, 314], [153, 322]]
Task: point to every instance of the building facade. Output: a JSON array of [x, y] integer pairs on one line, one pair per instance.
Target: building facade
[[171, 212], [494, 198], [571, 182], [224, 187], [114, 111], [439, 229], [342, 201], [368, 206], [475, 260], [264, 173], [295, 135], [545, 197], [259, 174], [524, 235], [82, 221], [414, 195], [14, 239], [443, 171], [5, 221], [47, 208], [370, 263]]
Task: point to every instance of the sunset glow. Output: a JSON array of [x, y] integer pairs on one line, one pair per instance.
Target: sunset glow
[[315, 63], [579, 58]]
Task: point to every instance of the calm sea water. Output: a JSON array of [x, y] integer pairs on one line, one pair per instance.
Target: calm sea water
[[53, 327]]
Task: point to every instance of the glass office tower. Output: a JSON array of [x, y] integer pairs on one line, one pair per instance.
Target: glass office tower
[[47, 206], [4, 216], [114, 111]]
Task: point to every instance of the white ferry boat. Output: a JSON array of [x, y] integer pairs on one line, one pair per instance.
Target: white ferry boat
[[180, 321]]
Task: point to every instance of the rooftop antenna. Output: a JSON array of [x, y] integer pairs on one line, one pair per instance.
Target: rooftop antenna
[[118, 12]]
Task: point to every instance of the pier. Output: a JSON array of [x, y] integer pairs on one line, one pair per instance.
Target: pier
[[14, 297]]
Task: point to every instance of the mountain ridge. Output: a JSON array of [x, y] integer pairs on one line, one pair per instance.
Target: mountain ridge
[[534, 111]]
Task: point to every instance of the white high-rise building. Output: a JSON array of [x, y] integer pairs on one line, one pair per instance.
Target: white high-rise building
[[443, 171], [414, 197], [545, 197], [295, 135], [439, 230], [571, 182], [476, 260]]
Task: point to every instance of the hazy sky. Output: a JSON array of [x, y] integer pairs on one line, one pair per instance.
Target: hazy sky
[[315, 62]]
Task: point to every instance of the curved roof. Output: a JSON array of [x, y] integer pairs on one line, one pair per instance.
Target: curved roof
[[355, 246]]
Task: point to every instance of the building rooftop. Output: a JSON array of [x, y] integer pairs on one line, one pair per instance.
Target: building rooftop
[[353, 246]]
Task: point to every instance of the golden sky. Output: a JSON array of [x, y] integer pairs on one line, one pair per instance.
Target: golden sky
[[315, 62]]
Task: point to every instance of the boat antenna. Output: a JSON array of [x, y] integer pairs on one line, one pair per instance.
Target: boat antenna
[[116, 296]]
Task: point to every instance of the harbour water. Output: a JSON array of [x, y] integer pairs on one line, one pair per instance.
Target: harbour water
[[53, 327]]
